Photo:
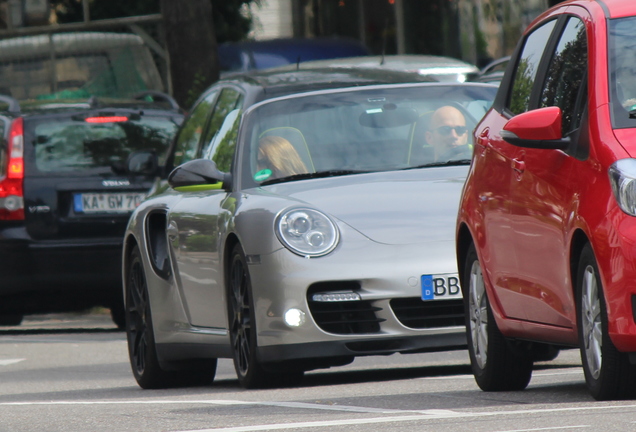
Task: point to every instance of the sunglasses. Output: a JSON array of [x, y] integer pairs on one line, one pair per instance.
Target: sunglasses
[[446, 130]]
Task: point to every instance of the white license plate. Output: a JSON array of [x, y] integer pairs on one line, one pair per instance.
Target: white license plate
[[441, 287], [107, 202]]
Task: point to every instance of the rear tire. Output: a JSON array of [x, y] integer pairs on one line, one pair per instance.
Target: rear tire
[[141, 339], [11, 320], [608, 372], [496, 366], [118, 315], [242, 323]]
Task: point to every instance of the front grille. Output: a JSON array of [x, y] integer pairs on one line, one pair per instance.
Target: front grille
[[351, 317], [414, 313], [342, 317]]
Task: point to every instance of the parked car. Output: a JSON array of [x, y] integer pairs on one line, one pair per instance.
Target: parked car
[[440, 68], [493, 72], [66, 193], [300, 228], [74, 109], [263, 54], [546, 225]]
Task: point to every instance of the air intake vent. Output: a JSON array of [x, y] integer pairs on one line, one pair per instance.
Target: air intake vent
[[342, 316], [417, 314]]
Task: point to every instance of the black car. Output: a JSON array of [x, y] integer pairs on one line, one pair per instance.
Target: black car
[[66, 193]]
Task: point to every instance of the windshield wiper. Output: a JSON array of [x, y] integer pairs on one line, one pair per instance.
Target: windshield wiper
[[320, 174], [441, 164]]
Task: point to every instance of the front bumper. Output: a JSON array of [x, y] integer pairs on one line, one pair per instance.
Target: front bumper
[[389, 316]]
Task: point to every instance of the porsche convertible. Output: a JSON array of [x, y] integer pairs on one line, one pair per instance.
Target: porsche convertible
[[306, 220]]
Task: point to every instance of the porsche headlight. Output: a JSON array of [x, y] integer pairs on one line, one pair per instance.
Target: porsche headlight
[[622, 176], [307, 232]]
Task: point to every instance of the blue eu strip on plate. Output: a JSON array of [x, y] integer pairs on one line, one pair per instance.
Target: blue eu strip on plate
[[428, 293]]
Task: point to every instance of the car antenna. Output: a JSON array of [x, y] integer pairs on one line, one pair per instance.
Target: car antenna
[[298, 63], [386, 26]]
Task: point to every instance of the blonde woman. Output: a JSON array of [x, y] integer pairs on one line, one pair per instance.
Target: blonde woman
[[278, 155]]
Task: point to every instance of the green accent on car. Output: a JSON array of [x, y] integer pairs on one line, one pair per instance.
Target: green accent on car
[[199, 188]]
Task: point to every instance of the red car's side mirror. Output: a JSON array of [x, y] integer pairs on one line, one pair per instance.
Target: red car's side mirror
[[540, 128]]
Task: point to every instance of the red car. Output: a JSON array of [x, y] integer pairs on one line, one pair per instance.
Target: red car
[[546, 230]]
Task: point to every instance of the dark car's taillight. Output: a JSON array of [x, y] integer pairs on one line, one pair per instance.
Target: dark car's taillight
[[11, 190]]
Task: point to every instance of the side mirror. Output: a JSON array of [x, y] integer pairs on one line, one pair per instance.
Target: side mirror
[[143, 162], [198, 172], [540, 129]]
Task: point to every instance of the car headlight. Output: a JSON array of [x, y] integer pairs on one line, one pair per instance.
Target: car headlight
[[307, 232], [622, 176]]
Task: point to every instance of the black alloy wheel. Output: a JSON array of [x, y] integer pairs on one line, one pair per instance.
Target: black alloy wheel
[[141, 339], [251, 373]]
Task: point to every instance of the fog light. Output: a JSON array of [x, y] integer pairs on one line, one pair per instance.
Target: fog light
[[294, 317], [336, 297]]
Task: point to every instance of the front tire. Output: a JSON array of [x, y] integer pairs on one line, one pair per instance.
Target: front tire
[[142, 350], [496, 366], [242, 322], [608, 372]]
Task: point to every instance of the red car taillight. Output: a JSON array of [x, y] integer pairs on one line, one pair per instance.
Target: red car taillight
[[11, 190]]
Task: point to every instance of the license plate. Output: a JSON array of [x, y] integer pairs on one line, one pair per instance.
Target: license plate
[[441, 287], [107, 202]]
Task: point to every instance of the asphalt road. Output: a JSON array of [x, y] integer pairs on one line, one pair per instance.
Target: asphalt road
[[70, 373]]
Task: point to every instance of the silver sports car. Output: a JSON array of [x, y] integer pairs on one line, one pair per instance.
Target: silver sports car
[[301, 232]]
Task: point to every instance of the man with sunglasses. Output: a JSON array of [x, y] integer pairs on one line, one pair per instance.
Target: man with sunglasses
[[448, 135]]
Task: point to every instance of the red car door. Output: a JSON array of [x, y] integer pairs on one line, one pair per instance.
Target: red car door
[[543, 192], [502, 253]]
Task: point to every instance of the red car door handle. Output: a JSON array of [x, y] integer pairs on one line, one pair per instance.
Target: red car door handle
[[482, 139], [518, 166]]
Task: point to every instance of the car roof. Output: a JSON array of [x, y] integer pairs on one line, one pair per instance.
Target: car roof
[[278, 82], [438, 67], [29, 47], [405, 62]]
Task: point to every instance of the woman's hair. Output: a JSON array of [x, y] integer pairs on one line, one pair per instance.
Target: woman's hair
[[281, 156]]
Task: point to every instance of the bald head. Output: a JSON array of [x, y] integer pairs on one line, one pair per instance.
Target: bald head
[[447, 130]]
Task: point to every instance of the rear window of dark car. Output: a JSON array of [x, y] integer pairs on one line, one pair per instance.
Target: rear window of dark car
[[77, 144]]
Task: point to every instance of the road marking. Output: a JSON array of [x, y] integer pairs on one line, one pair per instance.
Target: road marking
[[548, 428], [7, 362]]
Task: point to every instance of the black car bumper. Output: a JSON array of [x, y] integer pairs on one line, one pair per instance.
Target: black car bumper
[[48, 276]]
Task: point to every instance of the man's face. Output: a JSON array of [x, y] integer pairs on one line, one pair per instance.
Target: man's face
[[447, 130]]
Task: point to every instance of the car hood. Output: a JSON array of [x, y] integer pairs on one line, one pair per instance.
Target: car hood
[[396, 207]]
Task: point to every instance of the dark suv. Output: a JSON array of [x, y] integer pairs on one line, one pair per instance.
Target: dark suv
[[70, 174]]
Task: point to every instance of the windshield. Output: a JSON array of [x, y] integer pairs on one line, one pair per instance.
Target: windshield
[[64, 144], [622, 71], [362, 130]]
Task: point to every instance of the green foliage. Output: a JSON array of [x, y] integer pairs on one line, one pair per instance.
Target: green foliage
[[199, 84], [232, 22], [72, 11]]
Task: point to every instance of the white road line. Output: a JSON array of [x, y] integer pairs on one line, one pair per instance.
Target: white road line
[[407, 415], [549, 428], [328, 423], [7, 362]]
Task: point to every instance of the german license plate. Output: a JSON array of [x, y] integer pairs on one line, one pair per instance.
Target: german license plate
[[441, 287], [107, 202]]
